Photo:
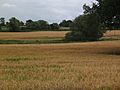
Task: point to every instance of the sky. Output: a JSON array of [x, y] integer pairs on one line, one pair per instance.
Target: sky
[[49, 10]]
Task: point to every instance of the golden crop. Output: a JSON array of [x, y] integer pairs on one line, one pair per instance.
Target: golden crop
[[73, 66], [44, 35], [31, 35]]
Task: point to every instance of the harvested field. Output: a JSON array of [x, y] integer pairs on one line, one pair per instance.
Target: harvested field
[[73, 66], [112, 33], [43, 34], [31, 35]]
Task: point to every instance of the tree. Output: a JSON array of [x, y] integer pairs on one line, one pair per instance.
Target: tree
[[66, 23], [43, 25], [37, 25], [14, 24], [116, 22], [29, 24], [54, 26], [85, 28], [106, 9], [21, 23], [2, 21], [90, 10]]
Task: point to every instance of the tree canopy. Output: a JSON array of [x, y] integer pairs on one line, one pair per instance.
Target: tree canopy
[[107, 10], [14, 24], [66, 23]]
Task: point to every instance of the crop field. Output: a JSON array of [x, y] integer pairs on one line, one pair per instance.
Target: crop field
[[77, 66], [43, 35], [63, 66], [115, 34], [46, 37], [31, 35]]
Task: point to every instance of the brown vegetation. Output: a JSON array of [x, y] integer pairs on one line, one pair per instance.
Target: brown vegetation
[[77, 66], [44, 35], [115, 34], [31, 35]]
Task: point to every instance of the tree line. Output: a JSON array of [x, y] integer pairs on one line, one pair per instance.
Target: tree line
[[15, 25]]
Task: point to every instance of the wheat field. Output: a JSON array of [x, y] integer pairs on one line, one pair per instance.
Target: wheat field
[[65, 66], [31, 35], [44, 35], [73, 66], [112, 33]]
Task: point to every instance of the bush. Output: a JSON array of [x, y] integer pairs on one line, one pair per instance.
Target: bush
[[85, 28], [73, 36]]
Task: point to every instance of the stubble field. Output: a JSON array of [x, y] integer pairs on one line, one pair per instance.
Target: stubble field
[[31, 35], [65, 66]]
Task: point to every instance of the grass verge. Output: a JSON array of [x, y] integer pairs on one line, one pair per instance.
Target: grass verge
[[40, 41]]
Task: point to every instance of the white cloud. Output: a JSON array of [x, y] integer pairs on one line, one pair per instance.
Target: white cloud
[[8, 5]]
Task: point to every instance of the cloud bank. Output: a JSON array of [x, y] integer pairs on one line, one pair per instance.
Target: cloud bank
[[50, 10]]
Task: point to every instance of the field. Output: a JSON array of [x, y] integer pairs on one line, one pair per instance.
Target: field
[[42, 37], [65, 66], [31, 35], [45, 35], [115, 35]]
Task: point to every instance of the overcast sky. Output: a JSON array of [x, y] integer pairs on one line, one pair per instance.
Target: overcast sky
[[50, 10]]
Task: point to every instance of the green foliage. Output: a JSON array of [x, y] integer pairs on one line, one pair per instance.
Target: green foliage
[[116, 22], [54, 26], [2, 23], [4, 29], [40, 41], [73, 36], [14, 24], [66, 23], [89, 26], [37, 25], [107, 10], [90, 10], [85, 28], [41, 25]]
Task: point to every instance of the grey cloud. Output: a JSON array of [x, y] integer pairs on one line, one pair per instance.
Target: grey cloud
[[50, 10]]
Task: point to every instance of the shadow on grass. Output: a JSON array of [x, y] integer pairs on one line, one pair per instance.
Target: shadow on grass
[[47, 41], [113, 51], [31, 41]]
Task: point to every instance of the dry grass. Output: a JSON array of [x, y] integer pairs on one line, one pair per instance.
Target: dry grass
[[112, 33], [31, 35], [77, 66], [44, 35]]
